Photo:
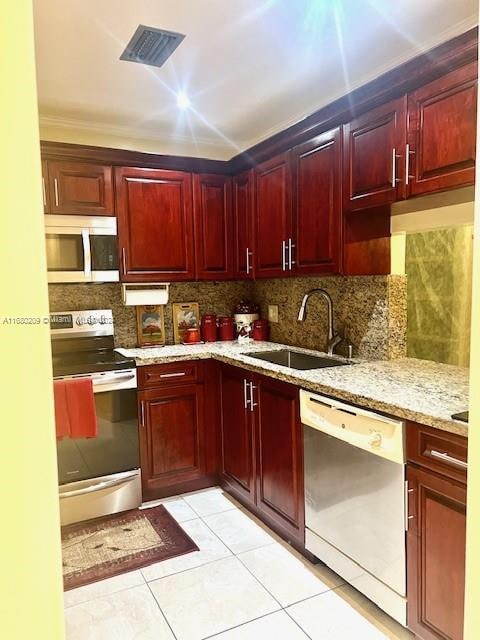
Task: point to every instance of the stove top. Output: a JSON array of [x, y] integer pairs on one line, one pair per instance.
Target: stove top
[[67, 364]]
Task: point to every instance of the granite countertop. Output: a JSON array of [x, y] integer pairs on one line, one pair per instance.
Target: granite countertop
[[418, 390]]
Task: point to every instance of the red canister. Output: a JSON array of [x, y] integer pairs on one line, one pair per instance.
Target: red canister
[[209, 327], [226, 328], [260, 330]]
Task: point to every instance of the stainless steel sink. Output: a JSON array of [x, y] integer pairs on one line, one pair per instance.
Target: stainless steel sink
[[296, 359]]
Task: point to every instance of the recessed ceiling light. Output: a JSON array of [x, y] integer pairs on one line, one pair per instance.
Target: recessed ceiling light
[[183, 101]]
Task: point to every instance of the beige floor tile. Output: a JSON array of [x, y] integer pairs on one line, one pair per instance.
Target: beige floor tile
[[209, 501], [210, 549], [179, 509], [286, 577], [276, 626], [103, 588], [126, 615], [237, 531], [212, 598]]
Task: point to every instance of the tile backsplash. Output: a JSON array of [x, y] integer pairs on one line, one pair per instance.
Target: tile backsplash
[[369, 311]]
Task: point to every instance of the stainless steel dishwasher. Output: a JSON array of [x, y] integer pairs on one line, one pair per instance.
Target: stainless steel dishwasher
[[355, 496]]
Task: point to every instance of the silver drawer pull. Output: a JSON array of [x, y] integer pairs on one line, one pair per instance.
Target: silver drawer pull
[[448, 459], [98, 487], [173, 375], [55, 186]]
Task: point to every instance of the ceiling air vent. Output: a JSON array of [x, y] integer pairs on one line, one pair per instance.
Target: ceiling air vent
[[151, 46]]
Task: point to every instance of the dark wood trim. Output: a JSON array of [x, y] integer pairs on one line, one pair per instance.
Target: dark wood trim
[[123, 158], [409, 76]]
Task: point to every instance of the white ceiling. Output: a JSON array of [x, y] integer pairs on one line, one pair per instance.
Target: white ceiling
[[250, 67]]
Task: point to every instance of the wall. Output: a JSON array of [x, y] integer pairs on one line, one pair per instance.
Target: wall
[[369, 311], [31, 599]]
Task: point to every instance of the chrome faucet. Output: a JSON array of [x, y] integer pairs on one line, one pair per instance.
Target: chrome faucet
[[333, 338]]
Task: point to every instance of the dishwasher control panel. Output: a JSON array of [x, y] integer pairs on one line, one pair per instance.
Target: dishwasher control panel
[[367, 430]]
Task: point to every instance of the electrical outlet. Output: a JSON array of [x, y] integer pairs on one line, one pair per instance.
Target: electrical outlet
[[273, 312]]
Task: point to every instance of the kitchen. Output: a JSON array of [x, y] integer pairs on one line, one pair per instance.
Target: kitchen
[[265, 340]]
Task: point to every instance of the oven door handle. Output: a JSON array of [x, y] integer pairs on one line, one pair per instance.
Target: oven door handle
[[99, 486], [98, 382]]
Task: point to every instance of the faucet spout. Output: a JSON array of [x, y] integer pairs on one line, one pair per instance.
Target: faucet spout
[[332, 338]]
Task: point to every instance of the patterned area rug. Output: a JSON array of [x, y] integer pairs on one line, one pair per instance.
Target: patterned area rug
[[108, 546]]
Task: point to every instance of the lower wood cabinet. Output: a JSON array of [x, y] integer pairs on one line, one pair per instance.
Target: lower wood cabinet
[[436, 542], [262, 449], [178, 432]]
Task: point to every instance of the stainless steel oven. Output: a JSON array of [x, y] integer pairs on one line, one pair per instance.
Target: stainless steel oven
[[100, 475], [81, 248]]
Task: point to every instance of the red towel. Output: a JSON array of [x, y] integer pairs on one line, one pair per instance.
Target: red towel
[[75, 408]]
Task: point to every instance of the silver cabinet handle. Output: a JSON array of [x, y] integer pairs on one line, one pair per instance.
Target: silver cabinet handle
[[408, 517], [445, 457], [252, 403], [87, 253], [245, 394], [394, 168], [178, 374], [284, 259], [55, 187], [249, 267], [44, 191], [408, 153], [124, 261], [142, 414], [291, 246]]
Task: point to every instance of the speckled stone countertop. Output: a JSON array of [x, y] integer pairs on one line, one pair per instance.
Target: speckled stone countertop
[[418, 390]]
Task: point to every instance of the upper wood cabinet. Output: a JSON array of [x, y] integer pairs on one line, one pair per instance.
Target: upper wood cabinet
[[273, 217], [317, 204], [243, 202], [155, 225], [79, 188], [442, 132], [212, 205], [374, 148]]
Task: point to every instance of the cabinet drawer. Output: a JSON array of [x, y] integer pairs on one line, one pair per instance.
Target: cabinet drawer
[[440, 451], [172, 373]]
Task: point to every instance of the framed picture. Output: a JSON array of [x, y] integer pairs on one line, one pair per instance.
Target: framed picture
[[185, 315], [150, 325]]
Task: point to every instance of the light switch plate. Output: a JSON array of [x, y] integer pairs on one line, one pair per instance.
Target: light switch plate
[[273, 312]]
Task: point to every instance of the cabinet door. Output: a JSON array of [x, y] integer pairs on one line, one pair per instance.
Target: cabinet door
[[171, 436], [442, 132], [155, 225], [374, 157], [212, 198], [317, 210], [237, 434], [273, 220], [243, 225], [80, 188], [436, 556], [279, 452]]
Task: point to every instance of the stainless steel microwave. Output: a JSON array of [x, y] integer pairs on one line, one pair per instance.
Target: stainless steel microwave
[[81, 248]]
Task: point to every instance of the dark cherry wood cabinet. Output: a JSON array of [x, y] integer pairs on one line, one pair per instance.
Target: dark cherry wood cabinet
[[317, 204], [374, 149], [243, 203], [178, 427], [212, 206], [279, 454], [436, 533], [442, 132], [155, 225], [79, 188], [262, 450], [237, 466], [273, 217]]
